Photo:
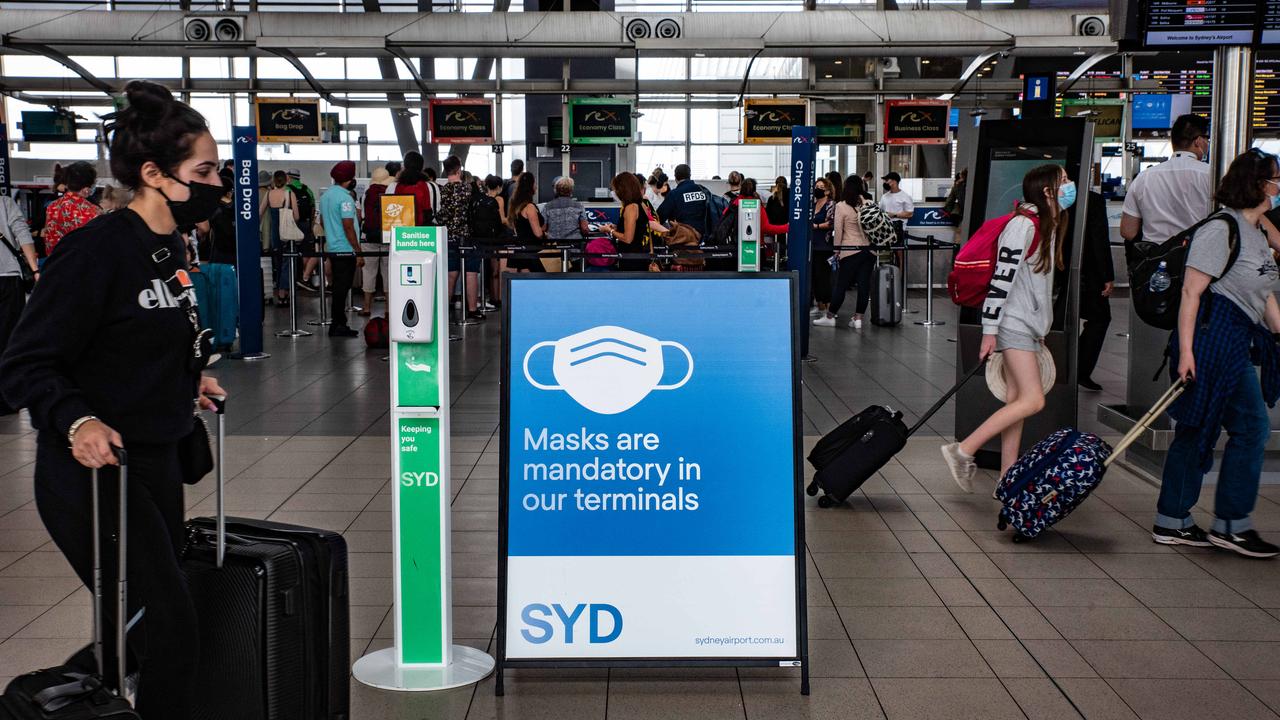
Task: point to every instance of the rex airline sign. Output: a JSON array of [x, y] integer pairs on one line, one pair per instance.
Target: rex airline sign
[[768, 121], [462, 121]]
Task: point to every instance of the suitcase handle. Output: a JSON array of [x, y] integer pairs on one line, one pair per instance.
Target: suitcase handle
[[122, 582], [220, 409], [1140, 426], [950, 394]]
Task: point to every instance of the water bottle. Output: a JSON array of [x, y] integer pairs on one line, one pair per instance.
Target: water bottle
[[1160, 280]]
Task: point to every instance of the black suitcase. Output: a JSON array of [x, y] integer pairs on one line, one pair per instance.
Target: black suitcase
[[848, 456], [67, 692], [273, 618]]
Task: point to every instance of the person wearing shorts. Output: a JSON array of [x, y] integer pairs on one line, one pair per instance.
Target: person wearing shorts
[[1017, 315]]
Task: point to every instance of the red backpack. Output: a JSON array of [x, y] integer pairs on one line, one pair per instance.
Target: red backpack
[[970, 277]]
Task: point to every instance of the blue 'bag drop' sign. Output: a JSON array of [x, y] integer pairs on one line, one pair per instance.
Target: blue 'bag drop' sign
[[651, 468]]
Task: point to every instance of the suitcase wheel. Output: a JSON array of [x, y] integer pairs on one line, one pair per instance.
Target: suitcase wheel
[[1019, 537], [825, 502], [812, 489], [1001, 523]]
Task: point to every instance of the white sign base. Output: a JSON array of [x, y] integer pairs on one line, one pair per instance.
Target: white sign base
[[380, 670]]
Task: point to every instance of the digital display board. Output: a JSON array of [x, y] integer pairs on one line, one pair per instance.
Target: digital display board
[[916, 122], [1195, 81], [1270, 23], [48, 126], [1199, 22], [1264, 112], [1155, 112]]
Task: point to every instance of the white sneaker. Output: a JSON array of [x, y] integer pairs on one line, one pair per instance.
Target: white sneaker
[[961, 465], [825, 321], [856, 323], [817, 313]]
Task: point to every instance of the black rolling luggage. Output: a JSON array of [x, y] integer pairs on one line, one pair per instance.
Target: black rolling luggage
[[273, 609], [848, 456], [66, 692]]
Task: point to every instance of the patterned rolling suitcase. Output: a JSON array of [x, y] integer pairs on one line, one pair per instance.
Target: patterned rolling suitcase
[[1052, 478], [273, 607], [69, 692]]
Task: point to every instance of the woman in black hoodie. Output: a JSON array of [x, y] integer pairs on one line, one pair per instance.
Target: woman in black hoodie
[[109, 354]]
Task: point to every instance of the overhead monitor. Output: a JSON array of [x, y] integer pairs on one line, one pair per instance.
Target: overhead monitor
[[1206, 23], [48, 126], [1155, 112], [1270, 33]]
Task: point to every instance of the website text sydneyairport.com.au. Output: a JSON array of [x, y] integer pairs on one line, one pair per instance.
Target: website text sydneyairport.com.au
[[737, 640]]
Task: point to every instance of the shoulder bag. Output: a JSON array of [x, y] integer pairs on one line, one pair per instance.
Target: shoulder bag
[[290, 231], [26, 276]]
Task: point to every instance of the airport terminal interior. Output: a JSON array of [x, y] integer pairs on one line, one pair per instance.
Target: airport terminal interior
[[416, 449]]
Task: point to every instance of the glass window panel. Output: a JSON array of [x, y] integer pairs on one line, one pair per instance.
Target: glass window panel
[[662, 125], [446, 69], [658, 68], [240, 67], [363, 69], [210, 67], [327, 152], [773, 68], [34, 66], [217, 112], [705, 126], [381, 129], [704, 161], [47, 152], [513, 128], [326, 68], [666, 157], [513, 68], [149, 67], [97, 65], [274, 68]]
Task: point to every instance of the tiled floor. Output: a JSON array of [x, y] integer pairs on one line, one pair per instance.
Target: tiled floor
[[918, 607]]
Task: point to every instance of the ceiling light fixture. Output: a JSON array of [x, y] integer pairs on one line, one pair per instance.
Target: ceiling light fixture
[[839, 62]]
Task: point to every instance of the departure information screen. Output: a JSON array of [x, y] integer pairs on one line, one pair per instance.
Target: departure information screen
[[1264, 114], [1271, 22], [1200, 22]]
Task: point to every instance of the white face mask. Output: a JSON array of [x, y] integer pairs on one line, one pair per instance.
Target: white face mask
[[608, 369]]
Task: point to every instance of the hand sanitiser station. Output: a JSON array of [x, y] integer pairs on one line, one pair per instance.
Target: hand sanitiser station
[[748, 235], [423, 656]]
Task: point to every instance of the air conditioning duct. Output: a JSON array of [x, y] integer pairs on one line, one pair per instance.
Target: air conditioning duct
[[651, 27], [1091, 25], [213, 28]]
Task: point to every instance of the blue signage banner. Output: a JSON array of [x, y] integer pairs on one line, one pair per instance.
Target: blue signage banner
[[804, 145], [930, 217], [629, 498], [248, 239]]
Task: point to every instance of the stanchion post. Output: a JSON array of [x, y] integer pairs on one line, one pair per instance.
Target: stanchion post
[[928, 298], [463, 320], [293, 331], [324, 306], [906, 270]]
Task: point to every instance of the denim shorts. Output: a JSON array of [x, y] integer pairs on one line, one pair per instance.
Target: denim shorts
[[1009, 339]]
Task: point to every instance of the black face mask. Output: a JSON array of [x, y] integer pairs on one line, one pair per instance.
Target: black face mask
[[885, 186], [819, 193], [197, 208]]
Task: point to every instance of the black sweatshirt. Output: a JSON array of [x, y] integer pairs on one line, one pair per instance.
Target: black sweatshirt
[[102, 336]]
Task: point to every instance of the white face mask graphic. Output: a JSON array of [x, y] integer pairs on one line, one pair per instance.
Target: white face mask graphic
[[608, 369]]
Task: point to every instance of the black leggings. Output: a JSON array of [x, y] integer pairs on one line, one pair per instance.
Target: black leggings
[[164, 642], [854, 270], [820, 269]]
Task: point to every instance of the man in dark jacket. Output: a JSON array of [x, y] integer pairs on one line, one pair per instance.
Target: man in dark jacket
[[685, 203], [1097, 279]]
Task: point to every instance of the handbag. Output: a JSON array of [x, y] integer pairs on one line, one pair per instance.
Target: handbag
[[26, 277], [290, 231], [195, 452]]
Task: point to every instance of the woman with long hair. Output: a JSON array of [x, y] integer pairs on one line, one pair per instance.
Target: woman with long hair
[[855, 258], [1227, 317], [820, 227], [1017, 315], [124, 370], [279, 206], [524, 217], [634, 236], [776, 208]]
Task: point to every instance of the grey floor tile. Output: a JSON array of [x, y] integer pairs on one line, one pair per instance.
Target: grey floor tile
[[1268, 691], [865, 565], [1046, 565], [905, 623], [829, 699], [1040, 699], [1137, 565], [1059, 659], [1189, 698], [1008, 659], [1153, 659], [921, 658], [541, 698], [1108, 623], [1185, 592], [886, 592], [1094, 698], [945, 699], [1244, 660], [834, 659], [1076, 592], [1240, 624], [675, 699]]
